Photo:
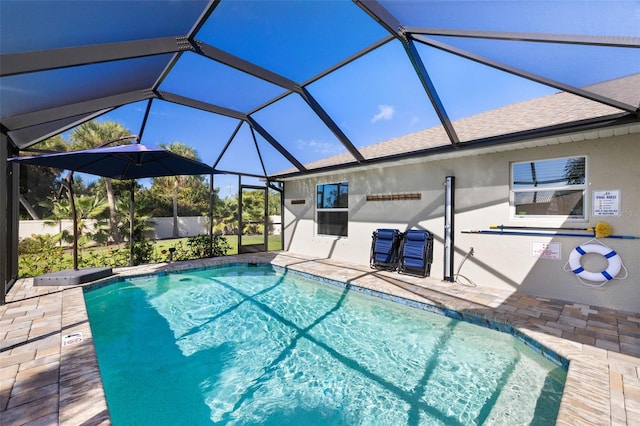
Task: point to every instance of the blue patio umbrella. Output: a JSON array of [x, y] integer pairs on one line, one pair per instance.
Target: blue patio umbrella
[[122, 162]]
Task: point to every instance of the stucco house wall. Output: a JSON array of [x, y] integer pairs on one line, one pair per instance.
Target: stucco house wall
[[481, 199]]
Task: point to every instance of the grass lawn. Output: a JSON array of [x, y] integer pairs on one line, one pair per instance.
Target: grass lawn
[[275, 243]]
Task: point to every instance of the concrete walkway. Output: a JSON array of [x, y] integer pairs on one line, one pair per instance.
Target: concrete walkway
[[49, 372]]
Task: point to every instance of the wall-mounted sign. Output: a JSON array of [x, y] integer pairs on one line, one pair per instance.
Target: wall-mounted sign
[[606, 203], [550, 251]]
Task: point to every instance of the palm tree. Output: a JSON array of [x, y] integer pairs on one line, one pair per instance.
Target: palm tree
[[87, 207], [179, 181], [93, 134], [143, 225]]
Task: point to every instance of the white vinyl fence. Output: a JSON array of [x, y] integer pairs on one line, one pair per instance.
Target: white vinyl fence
[[188, 226]]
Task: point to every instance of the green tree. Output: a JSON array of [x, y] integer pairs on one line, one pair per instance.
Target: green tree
[[156, 201], [87, 207], [39, 183], [191, 192], [142, 225], [252, 211], [275, 207], [226, 216], [121, 194], [93, 134]]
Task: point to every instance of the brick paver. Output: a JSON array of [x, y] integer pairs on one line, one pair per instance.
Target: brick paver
[[43, 382]]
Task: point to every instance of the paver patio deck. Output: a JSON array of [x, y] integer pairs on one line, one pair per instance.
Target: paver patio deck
[[44, 381]]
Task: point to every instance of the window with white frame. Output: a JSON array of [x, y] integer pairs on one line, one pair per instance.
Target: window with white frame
[[332, 209], [553, 188]]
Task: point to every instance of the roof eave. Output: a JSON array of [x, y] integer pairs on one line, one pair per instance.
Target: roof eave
[[475, 146]]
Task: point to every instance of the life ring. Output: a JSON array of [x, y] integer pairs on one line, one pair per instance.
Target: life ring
[[615, 263]]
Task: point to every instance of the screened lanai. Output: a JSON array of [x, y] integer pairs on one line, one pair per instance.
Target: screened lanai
[[275, 89]]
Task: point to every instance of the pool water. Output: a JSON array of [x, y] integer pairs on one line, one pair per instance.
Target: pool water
[[254, 345]]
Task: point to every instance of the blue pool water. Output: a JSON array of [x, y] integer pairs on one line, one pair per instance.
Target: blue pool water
[[254, 345]]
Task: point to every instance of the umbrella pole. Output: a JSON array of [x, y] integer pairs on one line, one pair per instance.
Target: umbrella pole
[[131, 218], [74, 219]]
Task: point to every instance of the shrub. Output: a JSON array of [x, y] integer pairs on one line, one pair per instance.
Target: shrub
[[142, 251], [200, 246], [110, 257], [39, 255], [196, 247], [36, 243]]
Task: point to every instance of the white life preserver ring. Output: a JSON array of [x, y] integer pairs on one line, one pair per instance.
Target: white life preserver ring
[[615, 263]]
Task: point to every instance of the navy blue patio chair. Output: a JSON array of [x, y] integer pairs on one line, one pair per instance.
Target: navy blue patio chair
[[384, 249], [416, 253]]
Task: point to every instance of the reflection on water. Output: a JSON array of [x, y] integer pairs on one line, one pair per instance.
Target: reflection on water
[[239, 345]]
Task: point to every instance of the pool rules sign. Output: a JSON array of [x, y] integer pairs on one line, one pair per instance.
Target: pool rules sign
[[550, 251], [606, 203]]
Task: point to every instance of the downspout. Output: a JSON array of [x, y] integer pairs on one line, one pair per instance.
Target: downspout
[[211, 200], [449, 214], [282, 216], [239, 213], [265, 226], [132, 203]]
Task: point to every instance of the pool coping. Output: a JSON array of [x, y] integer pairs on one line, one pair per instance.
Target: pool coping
[[52, 378]]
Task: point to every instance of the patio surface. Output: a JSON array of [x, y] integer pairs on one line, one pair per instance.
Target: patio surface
[[48, 378]]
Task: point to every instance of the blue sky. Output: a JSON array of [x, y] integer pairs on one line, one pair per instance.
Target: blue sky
[[375, 98]]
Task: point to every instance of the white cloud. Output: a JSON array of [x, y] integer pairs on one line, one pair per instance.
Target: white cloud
[[385, 112], [324, 148]]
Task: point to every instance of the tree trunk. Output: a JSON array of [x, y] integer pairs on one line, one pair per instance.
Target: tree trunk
[[113, 218], [175, 208]]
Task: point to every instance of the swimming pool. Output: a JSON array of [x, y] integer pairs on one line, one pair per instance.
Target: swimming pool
[[248, 344]]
